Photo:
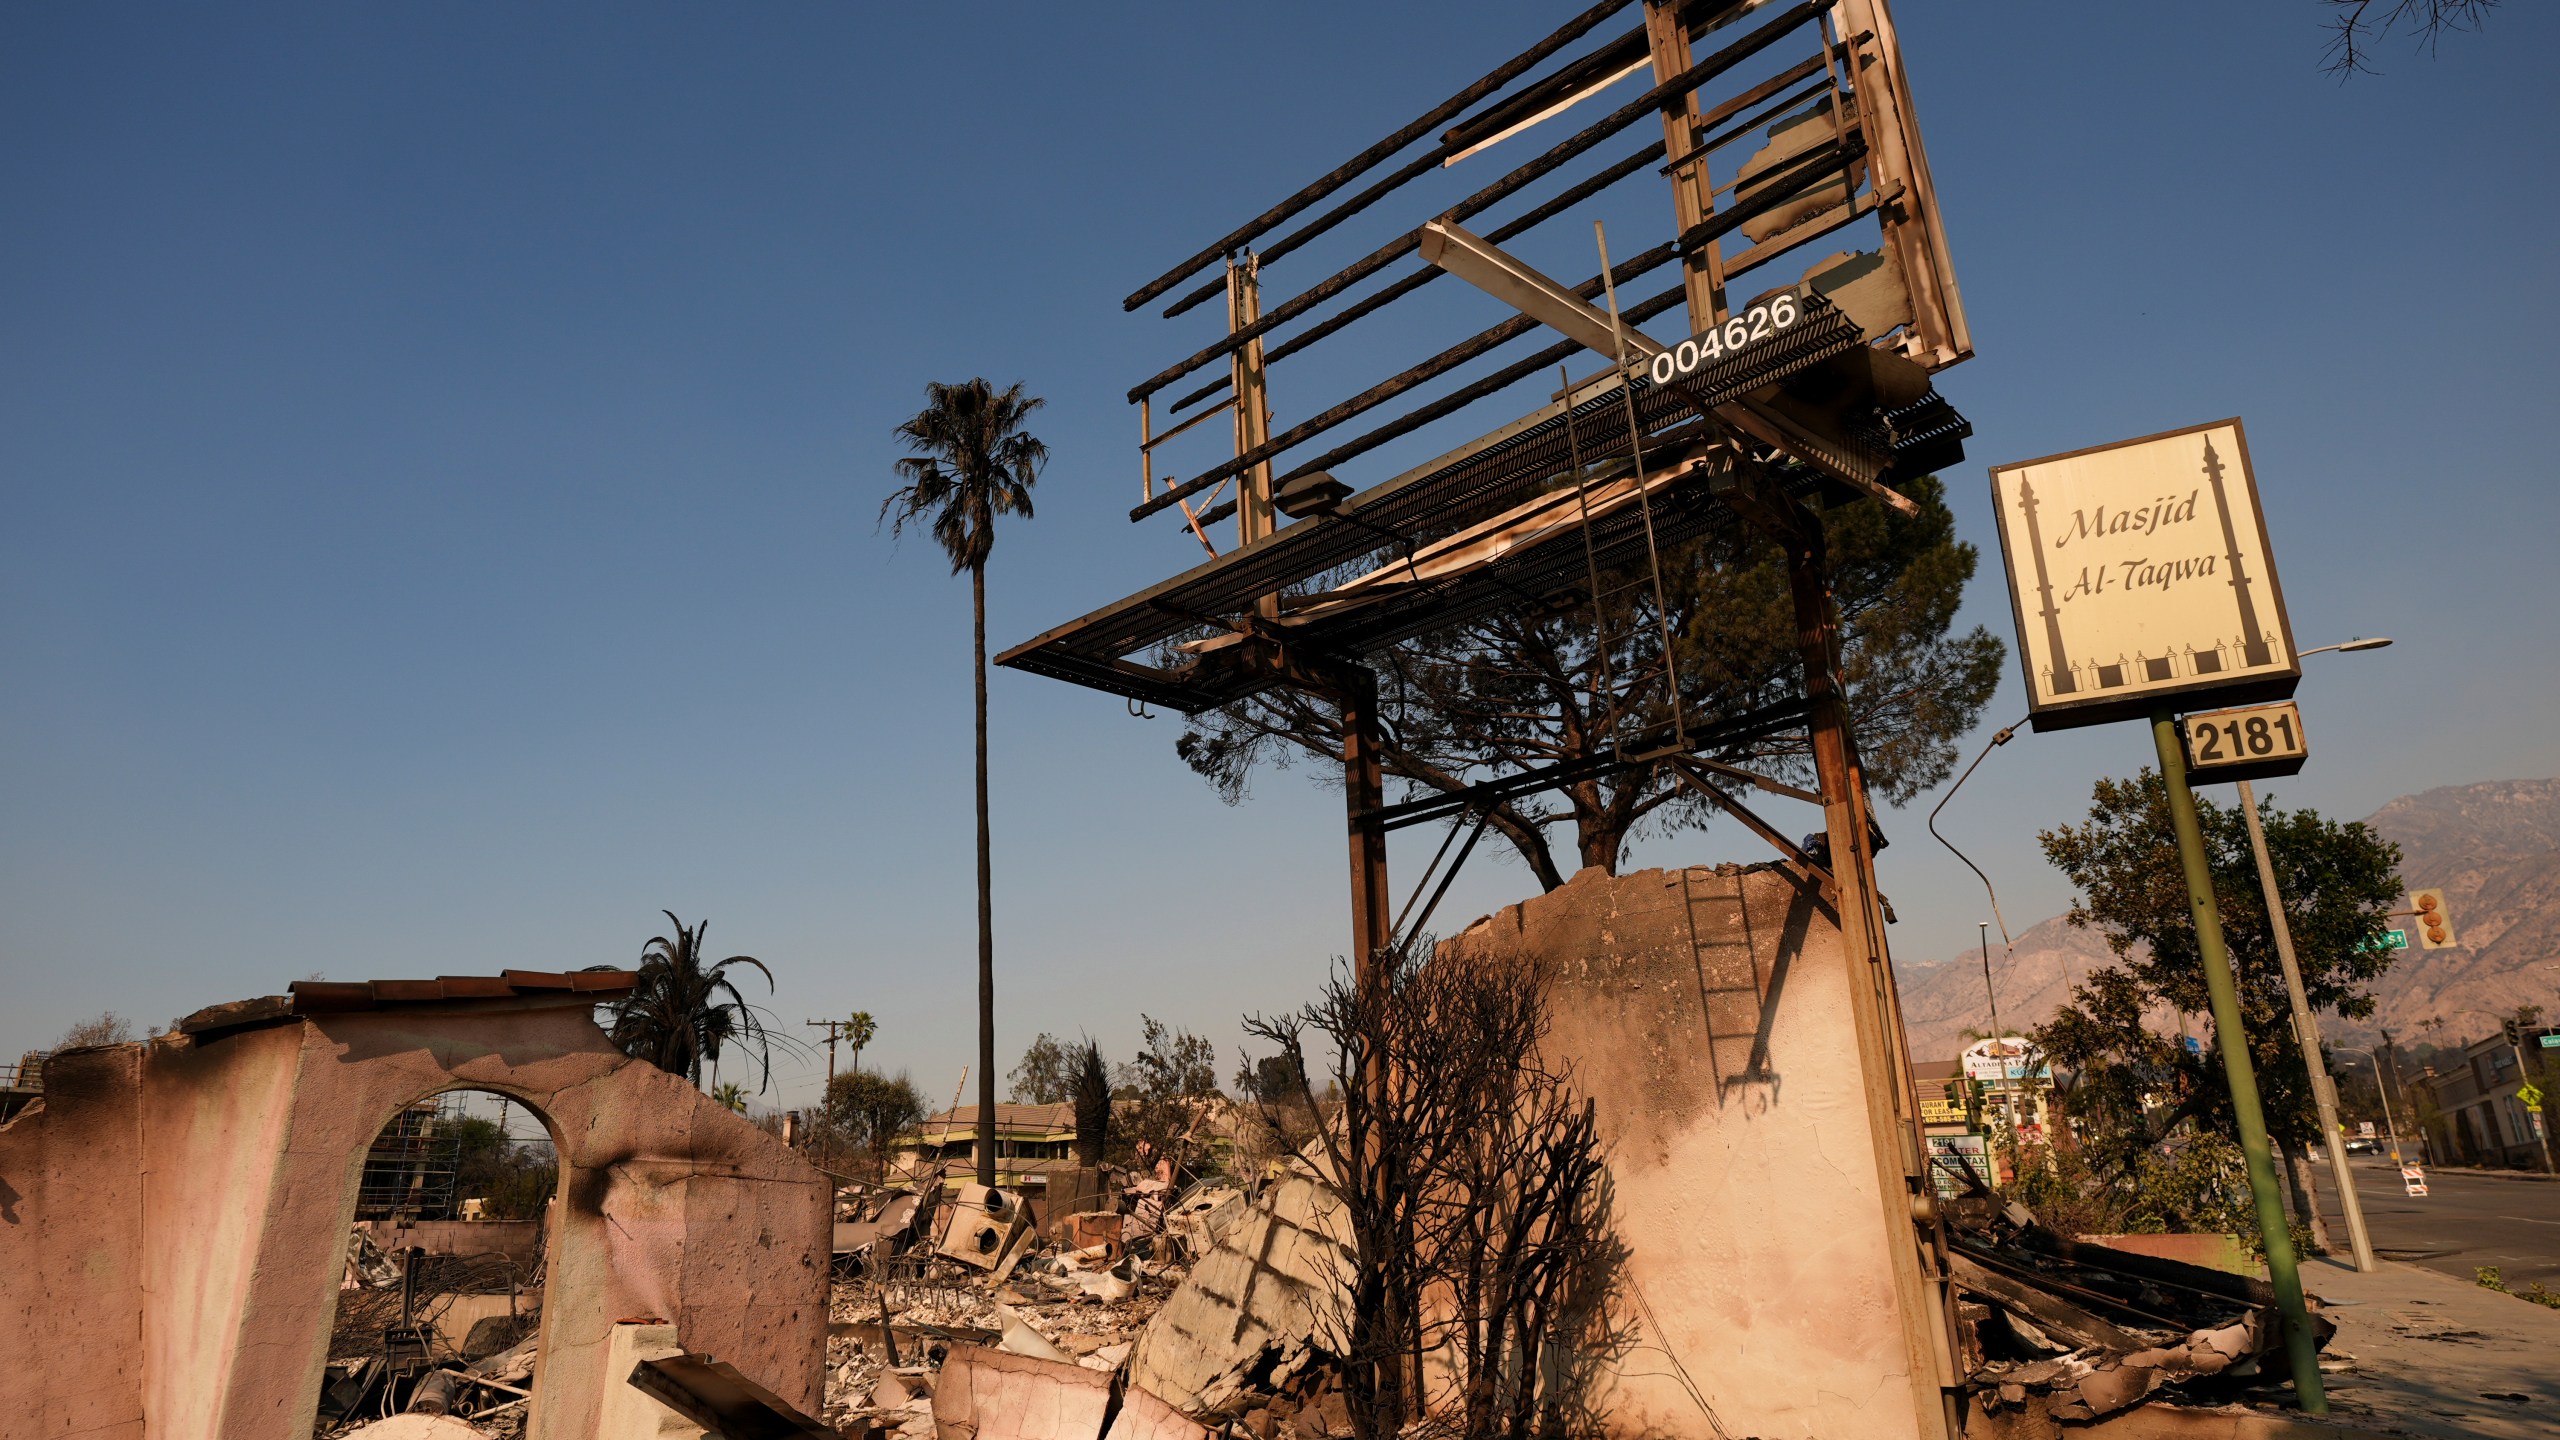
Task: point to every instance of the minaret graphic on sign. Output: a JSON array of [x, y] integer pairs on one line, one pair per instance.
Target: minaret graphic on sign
[[2253, 641], [2058, 662]]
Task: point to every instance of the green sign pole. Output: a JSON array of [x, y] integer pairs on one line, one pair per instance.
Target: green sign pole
[[2281, 1267]]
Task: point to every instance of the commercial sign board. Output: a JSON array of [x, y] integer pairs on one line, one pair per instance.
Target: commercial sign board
[[2141, 576], [1997, 1060], [1955, 1160]]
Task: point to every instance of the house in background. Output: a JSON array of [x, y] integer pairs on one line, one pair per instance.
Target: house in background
[[1032, 1142], [2473, 1113]]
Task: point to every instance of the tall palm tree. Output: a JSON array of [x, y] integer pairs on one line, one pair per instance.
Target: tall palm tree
[[973, 461], [682, 1012]]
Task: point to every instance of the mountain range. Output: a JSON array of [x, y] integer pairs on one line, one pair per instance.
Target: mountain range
[[2493, 848]]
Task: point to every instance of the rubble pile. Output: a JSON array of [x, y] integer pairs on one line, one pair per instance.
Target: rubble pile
[[984, 1274], [422, 1335], [2077, 1330]]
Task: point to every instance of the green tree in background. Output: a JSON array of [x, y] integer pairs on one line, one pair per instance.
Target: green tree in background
[[972, 461], [2140, 1088], [1047, 1074], [1518, 689], [870, 1109], [1164, 1091]]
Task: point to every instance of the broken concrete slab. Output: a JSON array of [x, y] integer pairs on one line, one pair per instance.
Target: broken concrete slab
[[1276, 1278], [634, 1414], [990, 1395], [1145, 1417]]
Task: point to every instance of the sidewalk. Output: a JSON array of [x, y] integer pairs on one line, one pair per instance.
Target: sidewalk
[[2420, 1354]]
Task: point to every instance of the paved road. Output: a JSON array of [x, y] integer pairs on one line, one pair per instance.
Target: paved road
[[2462, 1223]]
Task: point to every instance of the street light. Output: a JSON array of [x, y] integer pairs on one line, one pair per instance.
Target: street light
[[2381, 1083], [2306, 1026]]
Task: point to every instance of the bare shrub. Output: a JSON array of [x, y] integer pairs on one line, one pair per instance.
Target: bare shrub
[[1476, 1192]]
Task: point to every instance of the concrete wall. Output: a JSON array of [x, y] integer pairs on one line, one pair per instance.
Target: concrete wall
[[518, 1240], [182, 1210], [1707, 1013]]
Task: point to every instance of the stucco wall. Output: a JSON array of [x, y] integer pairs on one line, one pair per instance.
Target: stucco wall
[[1708, 1015], [71, 1251], [184, 1207]]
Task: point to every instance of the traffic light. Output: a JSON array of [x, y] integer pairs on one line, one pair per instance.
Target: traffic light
[[2435, 923], [2514, 1029]]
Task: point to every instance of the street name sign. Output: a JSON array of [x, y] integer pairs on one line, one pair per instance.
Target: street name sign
[[2387, 940], [2140, 575], [2253, 742]]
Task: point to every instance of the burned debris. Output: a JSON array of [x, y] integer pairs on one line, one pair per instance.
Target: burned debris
[[2071, 1331], [188, 1203]]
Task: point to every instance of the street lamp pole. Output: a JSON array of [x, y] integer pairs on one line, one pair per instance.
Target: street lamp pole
[[2008, 1100], [2382, 1085], [2306, 1025], [2306, 1032]]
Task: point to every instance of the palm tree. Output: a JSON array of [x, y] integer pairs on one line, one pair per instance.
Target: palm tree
[[973, 461], [858, 1030], [731, 1094], [682, 1012]]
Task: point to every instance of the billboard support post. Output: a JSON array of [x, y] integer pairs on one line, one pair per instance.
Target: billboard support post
[[2282, 1268]]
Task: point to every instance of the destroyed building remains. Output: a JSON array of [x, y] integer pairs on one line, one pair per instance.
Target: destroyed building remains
[[179, 1208]]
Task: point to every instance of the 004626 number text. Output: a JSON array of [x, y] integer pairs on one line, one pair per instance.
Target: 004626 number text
[[1724, 341]]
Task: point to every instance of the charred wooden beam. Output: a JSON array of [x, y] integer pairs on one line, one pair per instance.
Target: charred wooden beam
[[1394, 385], [2047, 1312], [1591, 135], [1628, 49], [1366, 160], [1806, 867], [1740, 729], [1570, 197]]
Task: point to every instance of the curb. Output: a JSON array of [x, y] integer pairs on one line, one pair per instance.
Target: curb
[[2534, 1176]]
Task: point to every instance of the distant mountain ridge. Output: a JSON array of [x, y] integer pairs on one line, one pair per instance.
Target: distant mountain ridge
[[2493, 848]]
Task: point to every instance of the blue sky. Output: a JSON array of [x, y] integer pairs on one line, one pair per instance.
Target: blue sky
[[439, 447]]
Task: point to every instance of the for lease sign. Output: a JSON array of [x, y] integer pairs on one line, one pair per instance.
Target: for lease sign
[[2140, 576]]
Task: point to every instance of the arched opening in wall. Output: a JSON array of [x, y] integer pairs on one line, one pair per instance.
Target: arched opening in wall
[[439, 1303]]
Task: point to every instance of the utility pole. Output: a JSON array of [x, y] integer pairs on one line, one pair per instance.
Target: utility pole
[[2009, 1099], [2306, 1033], [2382, 1085], [2541, 1132], [2282, 1268], [833, 1029]]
